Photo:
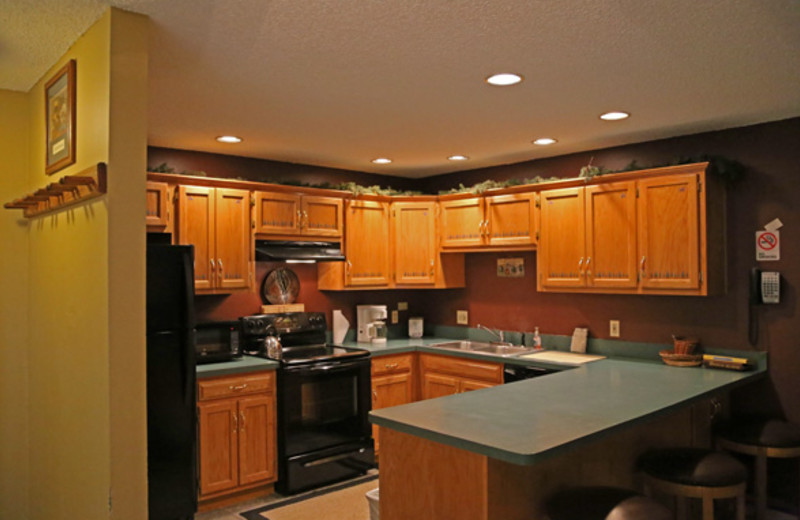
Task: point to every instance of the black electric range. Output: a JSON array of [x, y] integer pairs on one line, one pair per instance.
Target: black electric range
[[324, 397]]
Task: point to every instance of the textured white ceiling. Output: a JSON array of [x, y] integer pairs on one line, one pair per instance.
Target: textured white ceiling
[[339, 82]]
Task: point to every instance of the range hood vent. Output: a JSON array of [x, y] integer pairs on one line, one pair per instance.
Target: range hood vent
[[286, 250]]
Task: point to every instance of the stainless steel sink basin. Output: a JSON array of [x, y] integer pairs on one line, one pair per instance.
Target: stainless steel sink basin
[[489, 349]]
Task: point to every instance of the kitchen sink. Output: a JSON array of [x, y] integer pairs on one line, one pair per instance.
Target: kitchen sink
[[489, 349]]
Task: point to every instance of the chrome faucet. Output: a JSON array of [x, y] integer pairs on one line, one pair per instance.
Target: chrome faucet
[[495, 332]]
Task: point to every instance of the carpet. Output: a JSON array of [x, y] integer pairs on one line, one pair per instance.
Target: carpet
[[341, 502]]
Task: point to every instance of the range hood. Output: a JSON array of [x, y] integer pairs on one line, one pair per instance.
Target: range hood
[[286, 250]]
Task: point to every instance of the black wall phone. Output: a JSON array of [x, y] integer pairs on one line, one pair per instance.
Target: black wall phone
[[765, 288]]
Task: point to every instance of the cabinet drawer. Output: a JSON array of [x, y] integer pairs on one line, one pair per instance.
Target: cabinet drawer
[[462, 367], [391, 364], [231, 386]]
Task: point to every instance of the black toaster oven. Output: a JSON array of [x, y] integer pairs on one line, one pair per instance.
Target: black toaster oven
[[217, 341]]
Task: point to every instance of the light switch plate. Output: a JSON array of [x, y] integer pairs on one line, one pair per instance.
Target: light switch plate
[[462, 317], [613, 328], [395, 317], [402, 306]]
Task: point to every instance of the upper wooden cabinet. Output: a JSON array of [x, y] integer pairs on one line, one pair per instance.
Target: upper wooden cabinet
[[499, 222], [646, 235], [367, 244], [289, 215], [216, 221], [415, 252], [392, 245], [159, 214]]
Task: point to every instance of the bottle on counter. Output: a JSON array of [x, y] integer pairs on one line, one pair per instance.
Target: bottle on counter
[[537, 339]]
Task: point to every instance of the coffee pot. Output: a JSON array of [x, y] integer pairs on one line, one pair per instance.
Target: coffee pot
[[371, 323]]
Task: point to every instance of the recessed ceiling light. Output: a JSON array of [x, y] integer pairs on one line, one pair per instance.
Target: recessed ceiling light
[[457, 158], [544, 141], [381, 160], [614, 116], [229, 139], [504, 79]]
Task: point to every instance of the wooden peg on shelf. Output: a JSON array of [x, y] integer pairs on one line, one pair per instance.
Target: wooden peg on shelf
[[68, 191]]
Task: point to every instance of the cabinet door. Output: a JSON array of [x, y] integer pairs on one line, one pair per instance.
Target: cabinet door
[[367, 243], [232, 231], [438, 385], [611, 235], [511, 219], [467, 385], [562, 248], [322, 216], [414, 242], [277, 213], [196, 227], [389, 391], [669, 233], [219, 454], [256, 439], [462, 222], [157, 205]]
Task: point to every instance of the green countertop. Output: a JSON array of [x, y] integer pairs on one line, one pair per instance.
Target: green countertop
[[528, 421], [237, 366]]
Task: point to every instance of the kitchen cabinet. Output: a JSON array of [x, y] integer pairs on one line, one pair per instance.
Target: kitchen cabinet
[[392, 246], [496, 222], [392, 384], [159, 215], [415, 253], [216, 221], [237, 433], [643, 233], [588, 236], [442, 375], [301, 217]]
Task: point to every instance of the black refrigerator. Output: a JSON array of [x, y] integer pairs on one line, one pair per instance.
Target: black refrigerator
[[171, 409]]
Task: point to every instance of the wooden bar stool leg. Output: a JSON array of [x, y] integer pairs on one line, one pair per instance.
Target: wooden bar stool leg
[[680, 507], [708, 508], [761, 485], [740, 506]]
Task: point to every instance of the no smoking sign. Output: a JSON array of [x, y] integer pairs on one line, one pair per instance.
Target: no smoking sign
[[768, 245]]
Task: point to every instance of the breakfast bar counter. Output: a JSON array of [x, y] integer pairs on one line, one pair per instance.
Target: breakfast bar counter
[[496, 453]]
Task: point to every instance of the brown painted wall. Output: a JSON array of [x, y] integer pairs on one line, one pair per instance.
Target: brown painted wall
[[770, 189], [246, 168]]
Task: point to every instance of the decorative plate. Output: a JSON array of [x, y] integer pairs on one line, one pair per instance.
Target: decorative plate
[[281, 285]]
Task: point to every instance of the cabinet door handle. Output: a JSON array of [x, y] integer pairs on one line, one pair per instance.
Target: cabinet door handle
[[588, 261], [486, 231], [580, 265], [299, 219], [641, 266], [219, 264], [305, 219], [241, 421], [235, 422], [374, 394], [432, 267], [213, 270]]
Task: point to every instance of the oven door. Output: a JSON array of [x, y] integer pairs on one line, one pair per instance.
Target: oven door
[[323, 405]]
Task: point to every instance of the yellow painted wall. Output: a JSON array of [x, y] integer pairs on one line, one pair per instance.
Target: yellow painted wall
[[85, 308], [14, 130]]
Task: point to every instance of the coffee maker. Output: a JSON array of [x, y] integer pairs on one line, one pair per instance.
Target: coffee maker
[[371, 323]]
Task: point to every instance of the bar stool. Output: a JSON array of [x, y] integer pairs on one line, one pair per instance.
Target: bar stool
[[603, 503], [762, 438], [695, 473]]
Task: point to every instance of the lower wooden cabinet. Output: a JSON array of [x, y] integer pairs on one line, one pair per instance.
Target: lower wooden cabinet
[[237, 433], [392, 384], [446, 375]]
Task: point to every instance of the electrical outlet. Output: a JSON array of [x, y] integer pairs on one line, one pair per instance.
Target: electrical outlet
[[402, 306], [395, 317], [462, 317], [613, 328]]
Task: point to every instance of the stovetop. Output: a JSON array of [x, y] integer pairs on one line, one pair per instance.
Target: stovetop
[[302, 335]]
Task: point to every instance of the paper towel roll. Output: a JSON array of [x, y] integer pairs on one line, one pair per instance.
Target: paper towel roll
[[340, 326]]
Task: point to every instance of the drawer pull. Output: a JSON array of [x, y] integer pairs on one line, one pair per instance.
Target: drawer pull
[[391, 365], [237, 388]]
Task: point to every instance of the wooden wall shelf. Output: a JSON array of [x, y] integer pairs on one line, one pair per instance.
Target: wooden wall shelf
[[68, 191]]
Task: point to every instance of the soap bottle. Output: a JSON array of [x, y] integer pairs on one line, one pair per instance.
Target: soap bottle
[[537, 339]]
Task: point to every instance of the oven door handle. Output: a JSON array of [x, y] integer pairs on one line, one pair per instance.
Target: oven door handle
[[332, 458], [329, 367]]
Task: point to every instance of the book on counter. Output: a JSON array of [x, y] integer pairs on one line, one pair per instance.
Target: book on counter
[[727, 362]]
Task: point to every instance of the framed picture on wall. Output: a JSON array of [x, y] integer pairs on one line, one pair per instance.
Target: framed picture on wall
[[59, 94]]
